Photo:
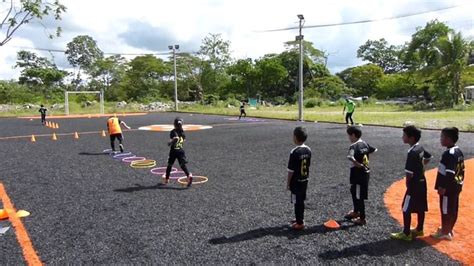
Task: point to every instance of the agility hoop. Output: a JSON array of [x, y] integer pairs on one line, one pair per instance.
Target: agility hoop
[[143, 164], [175, 175], [122, 155], [162, 170], [196, 180], [133, 159]]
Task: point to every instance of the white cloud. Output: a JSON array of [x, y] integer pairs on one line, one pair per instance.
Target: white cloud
[[187, 22]]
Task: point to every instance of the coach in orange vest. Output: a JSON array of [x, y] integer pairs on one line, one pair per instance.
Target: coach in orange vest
[[115, 131]]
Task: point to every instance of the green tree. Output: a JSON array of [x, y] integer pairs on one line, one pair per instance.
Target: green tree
[[145, 79], [108, 71], [271, 74], [363, 79], [380, 53], [82, 52], [397, 85], [19, 13], [244, 78], [38, 71], [328, 87]]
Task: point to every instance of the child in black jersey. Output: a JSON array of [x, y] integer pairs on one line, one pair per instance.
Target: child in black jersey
[[416, 198], [359, 176], [176, 143], [449, 182], [298, 173]]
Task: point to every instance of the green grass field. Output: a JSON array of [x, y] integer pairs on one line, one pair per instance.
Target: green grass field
[[377, 115]]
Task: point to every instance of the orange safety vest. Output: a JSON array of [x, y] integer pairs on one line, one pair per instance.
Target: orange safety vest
[[114, 126]]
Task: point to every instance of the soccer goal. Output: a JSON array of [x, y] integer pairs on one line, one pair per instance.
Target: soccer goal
[[66, 99]]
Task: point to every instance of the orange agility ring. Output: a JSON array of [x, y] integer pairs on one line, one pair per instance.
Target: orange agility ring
[[196, 180], [186, 127], [461, 246]]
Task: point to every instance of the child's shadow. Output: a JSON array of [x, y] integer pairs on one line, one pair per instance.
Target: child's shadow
[[384, 247], [139, 187], [279, 231]]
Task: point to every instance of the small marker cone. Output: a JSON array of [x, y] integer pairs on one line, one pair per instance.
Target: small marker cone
[[47, 123], [54, 136], [103, 133], [33, 139], [3, 214], [22, 213], [89, 116], [332, 224], [76, 136], [56, 125], [31, 119]]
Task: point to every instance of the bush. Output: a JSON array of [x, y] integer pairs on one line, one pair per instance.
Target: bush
[[279, 100], [421, 106], [312, 102], [211, 99]]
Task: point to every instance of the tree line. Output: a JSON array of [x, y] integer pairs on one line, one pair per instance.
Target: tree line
[[433, 64]]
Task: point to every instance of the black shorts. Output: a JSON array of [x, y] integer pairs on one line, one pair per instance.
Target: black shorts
[[177, 154], [360, 191], [449, 203], [415, 202], [299, 189], [118, 136]]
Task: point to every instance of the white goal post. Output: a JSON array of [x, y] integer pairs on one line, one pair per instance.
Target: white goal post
[[66, 99]]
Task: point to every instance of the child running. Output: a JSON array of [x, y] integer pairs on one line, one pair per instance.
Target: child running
[[242, 110], [176, 143], [359, 176], [115, 131], [449, 183], [43, 111], [415, 200], [298, 173]]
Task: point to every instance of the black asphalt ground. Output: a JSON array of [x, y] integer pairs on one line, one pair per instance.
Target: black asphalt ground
[[87, 208]]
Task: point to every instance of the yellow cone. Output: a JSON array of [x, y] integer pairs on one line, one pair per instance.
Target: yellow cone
[[54, 136], [76, 136], [103, 133], [33, 139], [22, 213], [56, 126], [47, 123]]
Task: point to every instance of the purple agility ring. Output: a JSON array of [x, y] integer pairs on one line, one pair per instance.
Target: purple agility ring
[[132, 159], [162, 170], [122, 155]]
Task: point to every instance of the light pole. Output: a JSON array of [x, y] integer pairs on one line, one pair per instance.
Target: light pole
[[300, 83], [174, 48]]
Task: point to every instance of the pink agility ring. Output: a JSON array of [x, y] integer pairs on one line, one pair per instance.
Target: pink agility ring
[[162, 170], [132, 159]]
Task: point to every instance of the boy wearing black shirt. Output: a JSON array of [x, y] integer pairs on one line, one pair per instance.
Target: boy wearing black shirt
[[298, 173], [449, 183], [177, 138], [359, 176], [415, 199], [242, 110], [43, 111]]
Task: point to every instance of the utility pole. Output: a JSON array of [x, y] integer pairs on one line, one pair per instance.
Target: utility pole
[[300, 83], [174, 48]]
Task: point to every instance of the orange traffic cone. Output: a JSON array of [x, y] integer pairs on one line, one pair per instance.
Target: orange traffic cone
[[76, 136], [54, 136], [103, 133], [33, 139], [3, 214]]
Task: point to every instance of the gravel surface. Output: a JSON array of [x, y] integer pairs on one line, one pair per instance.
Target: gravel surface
[[88, 208]]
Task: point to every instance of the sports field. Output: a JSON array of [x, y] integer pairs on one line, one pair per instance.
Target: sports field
[[88, 208]]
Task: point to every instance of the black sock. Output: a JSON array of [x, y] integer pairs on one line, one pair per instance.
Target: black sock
[[406, 223]]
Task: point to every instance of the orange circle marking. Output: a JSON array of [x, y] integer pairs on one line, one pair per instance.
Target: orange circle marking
[[188, 127], [461, 247]]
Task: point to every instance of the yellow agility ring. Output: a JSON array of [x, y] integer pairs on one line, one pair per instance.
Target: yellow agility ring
[[197, 179], [143, 164]]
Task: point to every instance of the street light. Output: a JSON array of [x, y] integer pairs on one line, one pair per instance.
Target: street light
[[174, 48], [300, 83]]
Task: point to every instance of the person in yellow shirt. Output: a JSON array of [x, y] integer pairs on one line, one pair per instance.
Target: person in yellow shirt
[[115, 131]]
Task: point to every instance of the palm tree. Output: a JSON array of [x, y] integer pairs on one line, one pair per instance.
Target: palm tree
[[451, 51]]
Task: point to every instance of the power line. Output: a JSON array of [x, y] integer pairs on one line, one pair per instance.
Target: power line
[[106, 53], [363, 21]]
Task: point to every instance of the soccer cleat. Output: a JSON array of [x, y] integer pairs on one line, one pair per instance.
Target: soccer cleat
[[121, 148], [415, 233], [359, 221], [190, 180], [401, 236], [352, 215], [440, 236], [292, 222], [166, 181], [297, 227]]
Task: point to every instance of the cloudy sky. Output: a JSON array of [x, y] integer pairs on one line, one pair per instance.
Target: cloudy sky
[[141, 26]]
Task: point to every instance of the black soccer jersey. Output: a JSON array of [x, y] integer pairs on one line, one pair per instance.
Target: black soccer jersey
[[359, 151], [300, 160], [43, 110], [415, 165], [451, 171], [177, 144], [242, 107]]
